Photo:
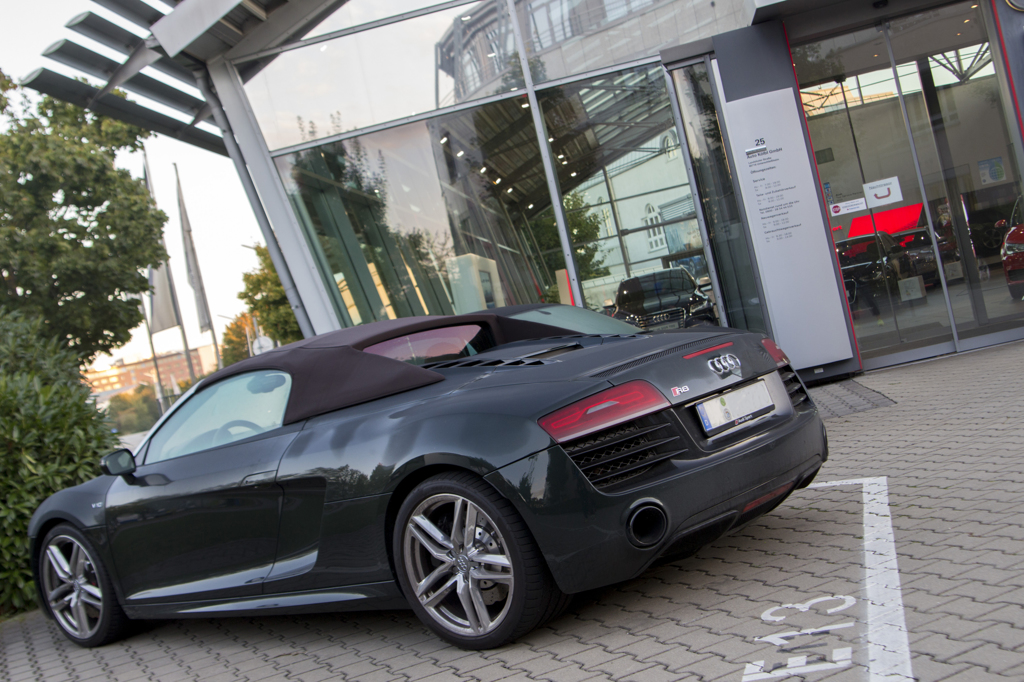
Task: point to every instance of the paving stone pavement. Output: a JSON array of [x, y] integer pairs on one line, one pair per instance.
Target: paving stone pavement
[[950, 449]]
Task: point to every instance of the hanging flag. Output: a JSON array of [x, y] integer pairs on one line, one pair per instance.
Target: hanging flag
[[195, 277], [161, 300]]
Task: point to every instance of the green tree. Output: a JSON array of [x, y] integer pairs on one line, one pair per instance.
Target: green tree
[[51, 437], [234, 345], [75, 231], [265, 298], [584, 229], [134, 411]]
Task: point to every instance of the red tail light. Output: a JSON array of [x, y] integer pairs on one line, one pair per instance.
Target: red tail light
[[773, 350], [604, 409]]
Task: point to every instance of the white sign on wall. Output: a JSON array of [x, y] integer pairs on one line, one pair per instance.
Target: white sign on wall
[[882, 192], [794, 253]]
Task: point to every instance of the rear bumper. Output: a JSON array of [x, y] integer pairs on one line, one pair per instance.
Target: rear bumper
[[582, 531]]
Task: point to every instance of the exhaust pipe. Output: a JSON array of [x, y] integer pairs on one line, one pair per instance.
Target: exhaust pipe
[[647, 525]]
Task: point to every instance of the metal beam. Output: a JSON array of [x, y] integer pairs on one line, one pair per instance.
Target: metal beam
[[135, 11], [286, 23], [113, 36], [139, 59], [188, 22], [309, 281], [280, 265], [81, 94], [82, 58]]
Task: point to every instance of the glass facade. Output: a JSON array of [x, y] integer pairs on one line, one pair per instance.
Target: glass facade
[[568, 37], [429, 218], [405, 137]]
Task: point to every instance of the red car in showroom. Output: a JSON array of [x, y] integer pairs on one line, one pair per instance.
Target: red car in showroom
[[1013, 260]]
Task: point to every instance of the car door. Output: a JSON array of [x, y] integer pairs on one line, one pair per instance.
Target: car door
[[199, 517]]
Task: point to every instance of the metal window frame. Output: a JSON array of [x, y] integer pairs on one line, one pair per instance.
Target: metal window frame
[[547, 162], [684, 150]]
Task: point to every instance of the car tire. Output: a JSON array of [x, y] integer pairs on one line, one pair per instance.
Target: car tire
[[478, 594], [76, 589], [1016, 291]]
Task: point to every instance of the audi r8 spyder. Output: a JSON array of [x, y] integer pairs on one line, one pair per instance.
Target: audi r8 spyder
[[478, 468]]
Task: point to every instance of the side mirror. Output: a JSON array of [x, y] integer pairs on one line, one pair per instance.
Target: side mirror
[[118, 463]]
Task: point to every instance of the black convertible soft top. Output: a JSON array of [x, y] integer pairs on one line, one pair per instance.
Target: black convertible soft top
[[331, 371]]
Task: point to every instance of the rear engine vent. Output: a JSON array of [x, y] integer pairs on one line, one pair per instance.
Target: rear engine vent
[[488, 362], [626, 450], [796, 391]]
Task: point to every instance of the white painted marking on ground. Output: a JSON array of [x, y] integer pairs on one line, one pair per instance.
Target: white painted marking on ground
[[888, 644], [797, 665]]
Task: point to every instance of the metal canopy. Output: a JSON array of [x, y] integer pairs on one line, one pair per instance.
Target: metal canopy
[[83, 94], [200, 30]]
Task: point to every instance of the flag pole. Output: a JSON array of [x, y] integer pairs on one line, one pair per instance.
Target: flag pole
[[173, 294], [161, 401]]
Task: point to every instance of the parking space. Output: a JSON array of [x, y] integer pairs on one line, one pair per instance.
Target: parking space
[[902, 561]]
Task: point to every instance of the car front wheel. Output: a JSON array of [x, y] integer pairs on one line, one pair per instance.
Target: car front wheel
[[468, 564], [77, 590]]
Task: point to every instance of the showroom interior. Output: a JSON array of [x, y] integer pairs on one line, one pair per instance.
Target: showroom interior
[[843, 176]]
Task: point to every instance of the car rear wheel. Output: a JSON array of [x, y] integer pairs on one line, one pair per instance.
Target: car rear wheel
[[468, 564], [77, 590]]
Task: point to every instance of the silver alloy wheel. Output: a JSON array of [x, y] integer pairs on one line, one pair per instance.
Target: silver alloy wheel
[[457, 562], [72, 587]]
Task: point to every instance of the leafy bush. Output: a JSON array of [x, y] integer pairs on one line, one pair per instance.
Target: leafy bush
[[51, 437], [134, 411]]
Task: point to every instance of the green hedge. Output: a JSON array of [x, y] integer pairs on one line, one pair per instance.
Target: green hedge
[[51, 437]]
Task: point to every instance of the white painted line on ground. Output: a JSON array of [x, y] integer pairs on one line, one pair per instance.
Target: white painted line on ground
[[888, 644]]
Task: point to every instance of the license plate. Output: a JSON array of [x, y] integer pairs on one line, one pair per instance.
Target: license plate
[[734, 408]]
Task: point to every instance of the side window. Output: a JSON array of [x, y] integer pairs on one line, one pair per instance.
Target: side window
[[236, 408]]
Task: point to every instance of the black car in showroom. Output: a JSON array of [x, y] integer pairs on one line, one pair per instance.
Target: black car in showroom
[[479, 468], [663, 299]]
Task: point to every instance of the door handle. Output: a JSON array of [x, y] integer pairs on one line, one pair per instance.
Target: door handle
[[262, 477]]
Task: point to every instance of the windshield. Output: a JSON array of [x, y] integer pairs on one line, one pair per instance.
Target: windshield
[[577, 319]]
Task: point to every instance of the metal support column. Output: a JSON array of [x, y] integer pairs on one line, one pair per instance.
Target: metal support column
[[684, 151], [545, 154], [313, 301]]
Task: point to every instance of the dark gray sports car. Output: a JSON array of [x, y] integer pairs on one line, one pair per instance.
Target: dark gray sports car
[[479, 468]]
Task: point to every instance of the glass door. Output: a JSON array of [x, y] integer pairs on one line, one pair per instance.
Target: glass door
[[919, 173], [968, 157]]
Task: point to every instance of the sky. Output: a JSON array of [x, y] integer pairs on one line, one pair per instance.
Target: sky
[[223, 225]]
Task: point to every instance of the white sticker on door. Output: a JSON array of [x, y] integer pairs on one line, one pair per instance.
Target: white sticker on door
[[882, 192]]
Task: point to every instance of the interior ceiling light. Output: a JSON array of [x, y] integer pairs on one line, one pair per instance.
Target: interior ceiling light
[[551, 139], [460, 153], [513, 89], [526, 105], [498, 181], [509, 191], [572, 175], [966, 20], [444, 139], [565, 163], [530, 206], [467, 17], [561, 156], [493, 54], [484, 169]]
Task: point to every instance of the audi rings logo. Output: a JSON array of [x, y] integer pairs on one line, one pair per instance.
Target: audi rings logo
[[724, 364]]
